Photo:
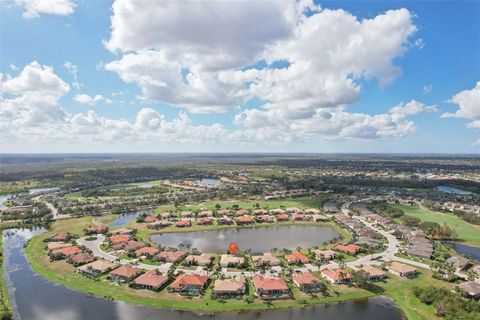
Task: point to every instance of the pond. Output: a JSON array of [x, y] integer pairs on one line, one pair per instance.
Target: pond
[[125, 218], [452, 190], [473, 252], [209, 182], [259, 239]]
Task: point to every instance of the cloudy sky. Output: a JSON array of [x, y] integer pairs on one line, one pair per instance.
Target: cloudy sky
[[239, 76]]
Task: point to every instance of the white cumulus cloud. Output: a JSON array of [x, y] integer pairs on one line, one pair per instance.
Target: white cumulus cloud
[[35, 8]]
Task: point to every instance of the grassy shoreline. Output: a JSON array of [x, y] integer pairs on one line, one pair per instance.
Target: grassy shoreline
[[5, 303], [61, 272]]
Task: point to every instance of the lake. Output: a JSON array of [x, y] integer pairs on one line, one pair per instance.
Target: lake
[[473, 252], [452, 190], [34, 297], [259, 239], [209, 182], [125, 218]]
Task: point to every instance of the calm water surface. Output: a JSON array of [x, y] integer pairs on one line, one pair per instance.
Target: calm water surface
[[259, 239], [34, 297], [473, 252], [125, 218], [452, 190]]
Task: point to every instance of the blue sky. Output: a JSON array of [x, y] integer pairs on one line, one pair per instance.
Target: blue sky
[[438, 60]]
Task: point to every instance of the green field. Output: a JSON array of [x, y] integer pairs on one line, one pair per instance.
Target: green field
[[303, 202], [465, 231]]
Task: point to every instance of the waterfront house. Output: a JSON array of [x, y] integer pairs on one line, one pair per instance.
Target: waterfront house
[[150, 281], [282, 217], [234, 287], [299, 217], [124, 274], [471, 288], [120, 238], [97, 267], [62, 237], [267, 258], [402, 270], [245, 220], [123, 231], [150, 218], [183, 223], [204, 221], [62, 253], [189, 284], [374, 274], [264, 218], [205, 213], [225, 221], [203, 259], [338, 276], [270, 287], [324, 254], [96, 229], [459, 263], [81, 258], [296, 258], [229, 260], [186, 214], [319, 217], [349, 248], [146, 251], [57, 245], [307, 282], [133, 245], [169, 256]]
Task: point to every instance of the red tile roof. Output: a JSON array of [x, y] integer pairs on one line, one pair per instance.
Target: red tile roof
[[183, 223], [336, 274], [350, 248], [119, 238], [282, 216], [305, 278], [245, 219], [169, 256], [151, 278], [189, 280], [296, 256], [125, 272], [145, 250], [67, 251], [268, 284]]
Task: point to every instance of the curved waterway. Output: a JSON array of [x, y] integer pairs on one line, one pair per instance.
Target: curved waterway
[[34, 297], [125, 218], [258, 239]]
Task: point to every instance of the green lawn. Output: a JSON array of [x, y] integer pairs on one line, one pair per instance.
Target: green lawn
[[5, 305], [465, 231]]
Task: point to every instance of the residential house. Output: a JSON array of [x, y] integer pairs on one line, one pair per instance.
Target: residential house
[[81, 258], [234, 287], [225, 221], [307, 282], [312, 211], [120, 238], [146, 251], [189, 284], [471, 288], [229, 260], [296, 258], [123, 231], [204, 221], [267, 258], [319, 217], [124, 274], [374, 274], [169, 256], [61, 237], [63, 253], [203, 259], [150, 281], [96, 229], [402, 270], [150, 219], [281, 217], [183, 223], [338, 276], [324, 254], [459, 263], [270, 287], [245, 220], [349, 248], [97, 267], [133, 245], [57, 245], [186, 214], [205, 213]]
